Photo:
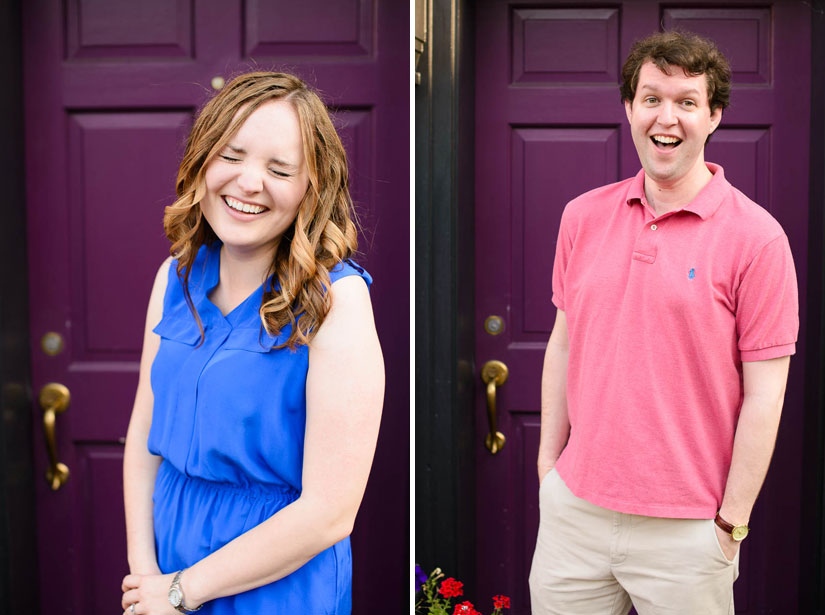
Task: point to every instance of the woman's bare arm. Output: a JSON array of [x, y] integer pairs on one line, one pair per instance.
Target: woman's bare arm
[[139, 466]]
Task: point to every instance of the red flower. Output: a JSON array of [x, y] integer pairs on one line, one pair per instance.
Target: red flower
[[450, 588], [465, 608], [501, 602]]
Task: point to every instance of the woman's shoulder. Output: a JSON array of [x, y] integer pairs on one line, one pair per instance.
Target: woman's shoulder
[[347, 268], [350, 316], [162, 275]]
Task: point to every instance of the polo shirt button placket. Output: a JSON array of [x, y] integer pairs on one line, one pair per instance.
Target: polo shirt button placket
[[646, 247]]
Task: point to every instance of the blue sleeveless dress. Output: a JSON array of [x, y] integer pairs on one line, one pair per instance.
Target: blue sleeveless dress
[[229, 419]]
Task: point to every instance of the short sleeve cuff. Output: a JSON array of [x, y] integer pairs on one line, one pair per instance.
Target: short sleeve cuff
[[557, 301], [348, 268], [772, 352]]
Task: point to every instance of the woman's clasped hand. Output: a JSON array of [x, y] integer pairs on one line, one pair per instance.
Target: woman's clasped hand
[[147, 594]]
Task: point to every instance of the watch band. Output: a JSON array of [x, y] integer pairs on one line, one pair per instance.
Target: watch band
[[737, 532], [176, 598]]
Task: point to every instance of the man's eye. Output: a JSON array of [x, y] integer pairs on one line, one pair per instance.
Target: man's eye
[[650, 100], [689, 103]]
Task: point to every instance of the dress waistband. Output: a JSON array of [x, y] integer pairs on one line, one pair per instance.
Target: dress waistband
[[268, 492]]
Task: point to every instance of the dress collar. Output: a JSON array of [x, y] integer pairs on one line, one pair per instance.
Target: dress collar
[[244, 319]]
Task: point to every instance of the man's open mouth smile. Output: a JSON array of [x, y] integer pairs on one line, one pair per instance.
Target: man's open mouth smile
[[663, 142]]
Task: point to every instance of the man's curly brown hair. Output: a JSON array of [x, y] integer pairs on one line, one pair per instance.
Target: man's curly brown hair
[[694, 54]]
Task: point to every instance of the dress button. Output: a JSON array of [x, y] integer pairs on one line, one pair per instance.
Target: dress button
[[653, 227]]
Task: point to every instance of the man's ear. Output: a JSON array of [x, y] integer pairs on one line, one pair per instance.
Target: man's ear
[[715, 119], [628, 109]]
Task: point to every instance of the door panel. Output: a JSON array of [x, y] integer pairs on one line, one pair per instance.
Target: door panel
[[114, 229], [591, 159], [111, 90], [550, 126]]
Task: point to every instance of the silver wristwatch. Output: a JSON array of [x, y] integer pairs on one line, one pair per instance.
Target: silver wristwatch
[[176, 595]]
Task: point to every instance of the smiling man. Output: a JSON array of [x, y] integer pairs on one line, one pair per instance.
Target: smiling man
[[664, 376]]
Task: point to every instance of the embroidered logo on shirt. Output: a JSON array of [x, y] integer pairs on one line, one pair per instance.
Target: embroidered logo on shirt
[[691, 274]]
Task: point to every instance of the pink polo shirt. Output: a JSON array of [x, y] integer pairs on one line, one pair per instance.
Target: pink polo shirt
[[661, 312]]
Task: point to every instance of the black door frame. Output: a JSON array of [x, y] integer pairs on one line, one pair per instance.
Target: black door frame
[[444, 369], [18, 563], [812, 547]]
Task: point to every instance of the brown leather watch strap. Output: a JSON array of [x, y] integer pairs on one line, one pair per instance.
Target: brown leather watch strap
[[728, 527]]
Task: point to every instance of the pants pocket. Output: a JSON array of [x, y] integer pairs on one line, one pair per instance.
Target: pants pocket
[[545, 479], [718, 547], [546, 495]]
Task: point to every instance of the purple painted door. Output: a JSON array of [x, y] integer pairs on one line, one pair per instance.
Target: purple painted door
[[110, 92], [549, 126]]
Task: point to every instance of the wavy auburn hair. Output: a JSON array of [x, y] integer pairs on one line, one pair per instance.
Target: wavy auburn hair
[[323, 232]]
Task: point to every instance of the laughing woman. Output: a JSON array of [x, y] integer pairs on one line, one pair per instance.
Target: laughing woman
[[261, 379]]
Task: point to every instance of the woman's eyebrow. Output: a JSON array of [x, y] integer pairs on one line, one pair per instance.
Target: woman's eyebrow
[[282, 163], [278, 161]]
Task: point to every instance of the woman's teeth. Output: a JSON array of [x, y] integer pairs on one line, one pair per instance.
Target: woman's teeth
[[243, 207]]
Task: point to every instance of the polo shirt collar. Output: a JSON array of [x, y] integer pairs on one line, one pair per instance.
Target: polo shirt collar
[[703, 205]]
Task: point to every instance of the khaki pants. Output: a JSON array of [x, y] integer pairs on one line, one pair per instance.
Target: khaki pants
[[594, 561]]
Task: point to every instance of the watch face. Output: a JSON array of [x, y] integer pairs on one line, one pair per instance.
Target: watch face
[[739, 532], [175, 597]]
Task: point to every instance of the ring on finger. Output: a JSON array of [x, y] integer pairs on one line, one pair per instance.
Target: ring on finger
[[132, 608]]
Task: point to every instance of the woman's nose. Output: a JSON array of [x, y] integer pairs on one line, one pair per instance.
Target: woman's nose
[[249, 180]]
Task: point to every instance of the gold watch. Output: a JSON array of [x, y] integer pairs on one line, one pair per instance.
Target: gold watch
[[737, 532]]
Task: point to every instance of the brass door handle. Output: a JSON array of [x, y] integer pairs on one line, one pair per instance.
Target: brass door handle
[[493, 374], [54, 399]]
